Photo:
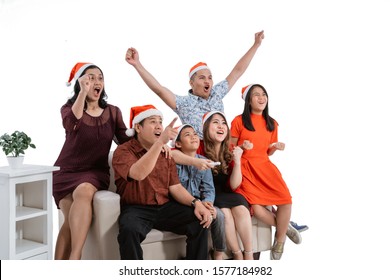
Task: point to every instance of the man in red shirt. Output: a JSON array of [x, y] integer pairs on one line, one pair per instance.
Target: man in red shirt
[[150, 190]]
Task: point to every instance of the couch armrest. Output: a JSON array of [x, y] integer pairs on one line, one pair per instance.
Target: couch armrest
[[262, 236], [106, 206], [101, 242]]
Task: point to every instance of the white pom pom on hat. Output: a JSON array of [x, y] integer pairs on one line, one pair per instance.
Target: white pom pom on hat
[[138, 114], [207, 115], [245, 91], [197, 67], [77, 69]]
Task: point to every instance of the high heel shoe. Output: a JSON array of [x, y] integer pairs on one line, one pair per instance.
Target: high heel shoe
[[277, 250]]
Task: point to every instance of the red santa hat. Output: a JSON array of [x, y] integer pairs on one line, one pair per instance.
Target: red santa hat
[[245, 91], [138, 114], [77, 70], [197, 67], [179, 129], [207, 115]]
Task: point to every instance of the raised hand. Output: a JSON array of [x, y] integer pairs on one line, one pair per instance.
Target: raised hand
[[86, 83], [275, 146], [169, 132], [237, 153], [259, 36], [132, 56], [278, 146]]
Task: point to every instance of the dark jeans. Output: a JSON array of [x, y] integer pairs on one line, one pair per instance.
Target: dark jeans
[[218, 231], [136, 221]]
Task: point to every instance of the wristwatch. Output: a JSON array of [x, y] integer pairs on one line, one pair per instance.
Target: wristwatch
[[193, 202]]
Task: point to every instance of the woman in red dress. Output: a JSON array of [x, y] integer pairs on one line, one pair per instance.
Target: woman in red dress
[[262, 182], [91, 125]]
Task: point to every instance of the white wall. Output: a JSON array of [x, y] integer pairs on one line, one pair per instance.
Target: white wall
[[325, 65]]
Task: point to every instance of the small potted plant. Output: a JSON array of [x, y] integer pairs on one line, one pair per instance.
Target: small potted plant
[[15, 145]]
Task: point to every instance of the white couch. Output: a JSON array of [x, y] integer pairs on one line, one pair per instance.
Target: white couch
[[102, 241]]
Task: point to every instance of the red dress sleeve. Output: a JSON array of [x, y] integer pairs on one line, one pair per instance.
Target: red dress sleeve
[[120, 127], [69, 120]]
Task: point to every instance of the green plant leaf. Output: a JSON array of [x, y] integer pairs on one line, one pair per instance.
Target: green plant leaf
[[16, 143]]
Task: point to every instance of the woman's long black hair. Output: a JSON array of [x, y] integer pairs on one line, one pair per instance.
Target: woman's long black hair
[[77, 88], [246, 114]]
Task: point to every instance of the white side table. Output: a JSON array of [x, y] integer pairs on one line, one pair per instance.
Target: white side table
[[26, 212]]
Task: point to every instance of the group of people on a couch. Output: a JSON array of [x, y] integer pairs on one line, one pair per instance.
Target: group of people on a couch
[[210, 177]]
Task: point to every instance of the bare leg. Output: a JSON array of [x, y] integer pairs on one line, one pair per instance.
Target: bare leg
[[263, 214], [63, 245], [283, 214], [243, 222], [80, 217], [231, 235]]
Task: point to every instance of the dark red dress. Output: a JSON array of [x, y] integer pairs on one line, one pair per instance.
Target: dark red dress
[[84, 155]]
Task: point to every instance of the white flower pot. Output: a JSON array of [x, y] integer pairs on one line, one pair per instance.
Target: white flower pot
[[15, 162]]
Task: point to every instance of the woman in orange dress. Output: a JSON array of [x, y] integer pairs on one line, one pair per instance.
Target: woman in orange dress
[[262, 182]]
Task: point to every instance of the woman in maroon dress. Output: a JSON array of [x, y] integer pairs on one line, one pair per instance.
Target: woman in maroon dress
[[91, 124]]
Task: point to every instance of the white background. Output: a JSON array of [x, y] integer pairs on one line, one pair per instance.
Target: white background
[[325, 65]]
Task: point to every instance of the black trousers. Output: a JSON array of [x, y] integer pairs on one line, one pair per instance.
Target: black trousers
[[136, 221]]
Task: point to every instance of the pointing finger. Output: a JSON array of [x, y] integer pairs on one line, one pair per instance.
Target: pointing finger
[[172, 122]]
